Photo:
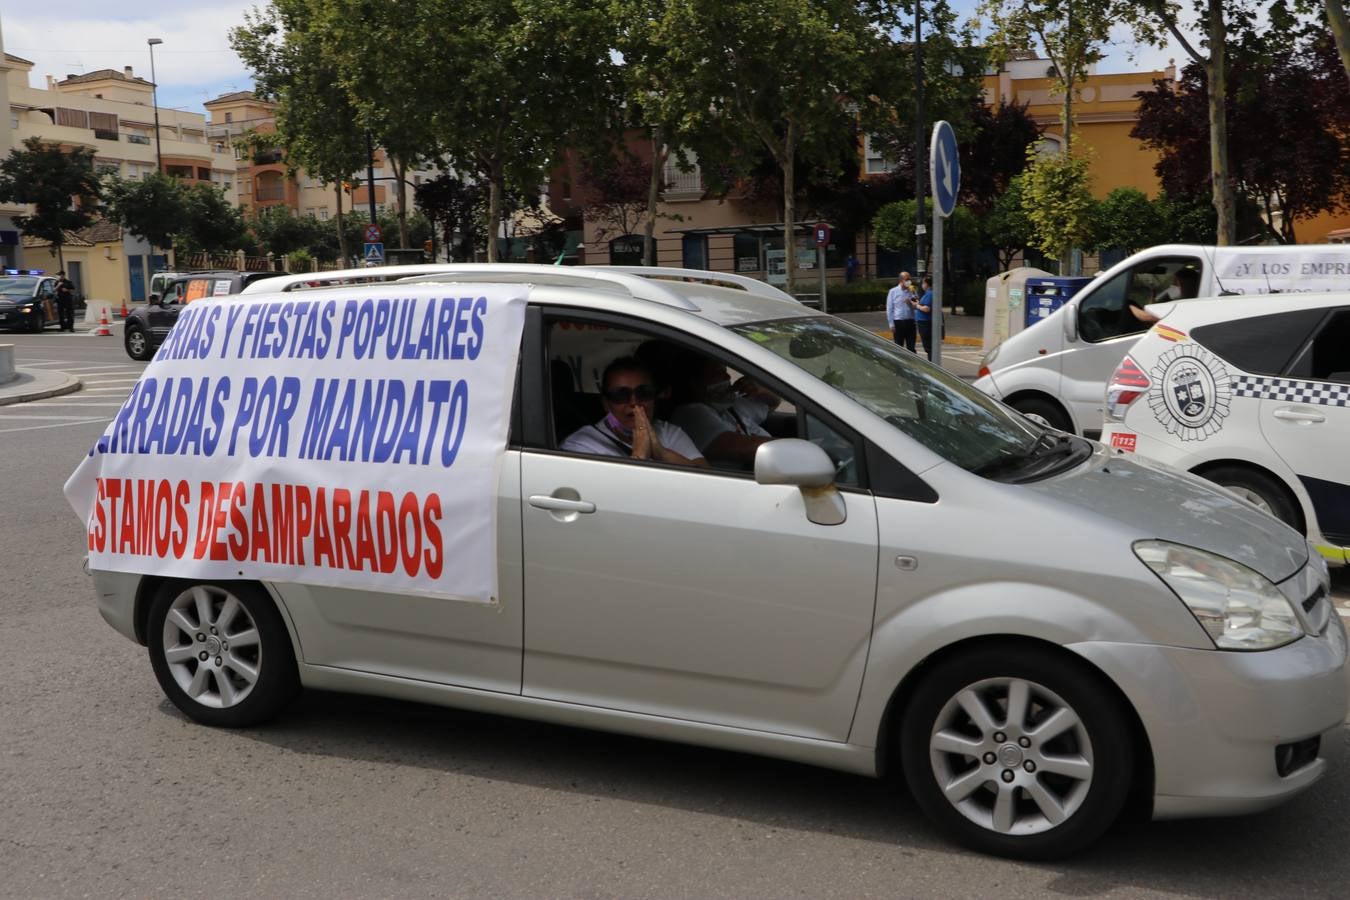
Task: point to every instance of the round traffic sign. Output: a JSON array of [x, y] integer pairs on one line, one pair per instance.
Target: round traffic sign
[[373, 233], [945, 168], [822, 234]]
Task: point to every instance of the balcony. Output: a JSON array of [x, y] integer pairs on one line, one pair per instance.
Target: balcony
[[269, 193], [681, 186]]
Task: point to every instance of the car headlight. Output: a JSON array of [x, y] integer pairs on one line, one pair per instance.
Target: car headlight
[[1241, 609]]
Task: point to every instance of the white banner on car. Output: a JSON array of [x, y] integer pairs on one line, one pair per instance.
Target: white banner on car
[[345, 438]]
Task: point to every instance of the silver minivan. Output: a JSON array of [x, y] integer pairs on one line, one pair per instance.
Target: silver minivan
[[906, 576]]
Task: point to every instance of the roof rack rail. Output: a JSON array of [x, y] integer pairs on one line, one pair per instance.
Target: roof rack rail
[[744, 282], [639, 288]]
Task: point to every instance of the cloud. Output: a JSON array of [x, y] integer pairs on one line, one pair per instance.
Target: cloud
[[194, 64]]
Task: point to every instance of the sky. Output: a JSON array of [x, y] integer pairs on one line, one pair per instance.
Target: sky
[[195, 62]]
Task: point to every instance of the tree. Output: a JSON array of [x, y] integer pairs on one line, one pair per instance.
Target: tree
[[1058, 203], [1006, 226], [61, 186], [280, 232], [315, 118], [995, 152], [451, 204], [153, 208], [619, 189], [1127, 220], [1298, 168], [1071, 32], [1340, 30], [213, 223], [1185, 220]]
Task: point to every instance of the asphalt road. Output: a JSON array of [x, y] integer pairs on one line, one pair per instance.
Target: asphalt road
[[109, 791]]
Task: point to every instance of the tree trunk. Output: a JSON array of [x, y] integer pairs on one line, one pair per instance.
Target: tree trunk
[[1340, 29], [789, 208], [1218, 128], [400, 172], [659, 154], [343, 258], [494, 212], [1066, 114]]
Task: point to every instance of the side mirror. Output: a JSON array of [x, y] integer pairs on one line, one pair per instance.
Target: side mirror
[[803, 464], [1071, 323]]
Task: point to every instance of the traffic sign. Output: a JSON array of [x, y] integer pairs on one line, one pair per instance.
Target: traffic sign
[[373, 234], [822, 234], [945, 165], [374, 253]]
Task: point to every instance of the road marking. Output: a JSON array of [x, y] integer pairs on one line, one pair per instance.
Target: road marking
[[89, 384], [45, 405], [106, 390], [10, 416], [55, 425]]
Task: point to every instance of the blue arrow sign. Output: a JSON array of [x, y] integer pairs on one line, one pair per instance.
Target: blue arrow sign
[[945, 165], [374, 254]]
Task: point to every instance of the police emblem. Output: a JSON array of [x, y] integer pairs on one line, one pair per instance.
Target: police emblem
[[1190, 392]]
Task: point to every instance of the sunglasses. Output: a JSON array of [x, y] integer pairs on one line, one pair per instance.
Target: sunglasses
[[643, 393]]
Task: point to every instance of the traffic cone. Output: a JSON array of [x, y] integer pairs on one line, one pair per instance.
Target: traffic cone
[[103, 330], [124, 307]]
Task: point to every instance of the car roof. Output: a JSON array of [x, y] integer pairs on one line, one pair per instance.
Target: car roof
[[1204, 310], [720, 297]]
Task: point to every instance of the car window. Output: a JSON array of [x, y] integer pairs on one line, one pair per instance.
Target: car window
[[579, 352], [932, 406], [1327, 357], [1262, 345], [1105, 312]]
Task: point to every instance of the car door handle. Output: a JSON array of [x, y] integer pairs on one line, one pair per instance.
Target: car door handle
[[560, 504], [1293, 415]]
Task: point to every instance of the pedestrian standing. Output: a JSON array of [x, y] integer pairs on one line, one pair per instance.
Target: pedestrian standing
[[900, 312], [65, 301], [850, 268], [923, 316]]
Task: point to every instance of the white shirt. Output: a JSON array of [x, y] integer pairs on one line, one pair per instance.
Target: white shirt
[[705, 423], [598, 439]]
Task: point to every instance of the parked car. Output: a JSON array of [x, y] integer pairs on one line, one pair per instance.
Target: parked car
[[1056, 370], [1035, 632], [147, 326], [1253, 397], [28, 302]]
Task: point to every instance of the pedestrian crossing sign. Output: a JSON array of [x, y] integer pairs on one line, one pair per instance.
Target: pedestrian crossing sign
[[374, 254]]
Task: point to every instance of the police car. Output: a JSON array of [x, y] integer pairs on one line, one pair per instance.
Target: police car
[[27, 300], [1251, 396]]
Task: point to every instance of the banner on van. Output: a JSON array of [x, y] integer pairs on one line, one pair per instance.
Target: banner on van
[[1290, 269], [343, 438]]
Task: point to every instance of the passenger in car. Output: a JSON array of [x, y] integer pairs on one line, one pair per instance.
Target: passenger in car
[[630, 427], [725, 422]]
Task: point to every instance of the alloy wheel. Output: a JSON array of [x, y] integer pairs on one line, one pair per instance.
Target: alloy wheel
[[212, 646]]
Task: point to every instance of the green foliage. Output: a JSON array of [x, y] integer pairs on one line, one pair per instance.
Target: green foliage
[[280, 232], [1186, 220], [213, 223], [893, 226], [152, 208], [1058, 203], [62, 187], [1007, 227], [299, 261], [1126, 219]]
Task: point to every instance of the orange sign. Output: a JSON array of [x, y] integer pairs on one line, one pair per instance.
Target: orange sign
[[196, 290]]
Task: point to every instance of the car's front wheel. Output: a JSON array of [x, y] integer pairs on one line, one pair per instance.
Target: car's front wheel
[[1017, 752], [1260, 490], [137, 343], [1043, 412], [221, 652], [36, 324]]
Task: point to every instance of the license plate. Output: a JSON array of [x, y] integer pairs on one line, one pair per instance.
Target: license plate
[[4, 316]]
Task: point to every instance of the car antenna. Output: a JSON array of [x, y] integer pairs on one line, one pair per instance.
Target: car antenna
[[1214, 267]]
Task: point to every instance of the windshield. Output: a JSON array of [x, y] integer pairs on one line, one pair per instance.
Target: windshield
[[17, 288], [931, 405]]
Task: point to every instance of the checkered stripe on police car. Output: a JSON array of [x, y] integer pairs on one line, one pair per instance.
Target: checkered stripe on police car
[[1291, 390]]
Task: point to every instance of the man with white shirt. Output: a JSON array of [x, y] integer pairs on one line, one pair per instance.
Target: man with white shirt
[[724, 422], [900, 312]]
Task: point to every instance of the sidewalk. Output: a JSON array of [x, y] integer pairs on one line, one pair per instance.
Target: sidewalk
[[36, 384], [962, 331]]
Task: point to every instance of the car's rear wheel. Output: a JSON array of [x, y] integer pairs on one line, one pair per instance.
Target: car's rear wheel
[[1259, 489], [137, 343], [221, 652], [1017, 752], [1043, 412]]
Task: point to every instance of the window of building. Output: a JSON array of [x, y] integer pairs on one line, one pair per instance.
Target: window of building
[[877, 163], [323, 214], [745, 249], [626, 250], [229, 117], [695, 251], [13, 120], [679, 181]]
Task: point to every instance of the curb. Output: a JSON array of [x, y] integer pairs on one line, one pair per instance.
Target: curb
[[70, 385]]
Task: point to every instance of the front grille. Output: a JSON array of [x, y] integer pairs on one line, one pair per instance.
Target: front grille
[[1289, 758]]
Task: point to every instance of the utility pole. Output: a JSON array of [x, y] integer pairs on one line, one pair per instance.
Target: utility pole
[[154, 100], [920, 149], [370, 175]]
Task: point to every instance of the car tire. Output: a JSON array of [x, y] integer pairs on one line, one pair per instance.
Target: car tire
[[1259, 489], [137, 343], [1043, 412], [248, 674], [37, 324], [1036, 785]]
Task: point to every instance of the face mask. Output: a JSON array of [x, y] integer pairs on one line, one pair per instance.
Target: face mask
[[616, 426], [720, 396]]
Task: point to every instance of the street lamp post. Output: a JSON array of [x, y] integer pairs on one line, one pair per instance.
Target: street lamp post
[[154, 99]]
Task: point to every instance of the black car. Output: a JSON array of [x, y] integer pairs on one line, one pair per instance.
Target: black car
[[28, 302], [147, 326]]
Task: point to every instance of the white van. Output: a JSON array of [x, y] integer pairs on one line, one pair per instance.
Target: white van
[[1056, 371]]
